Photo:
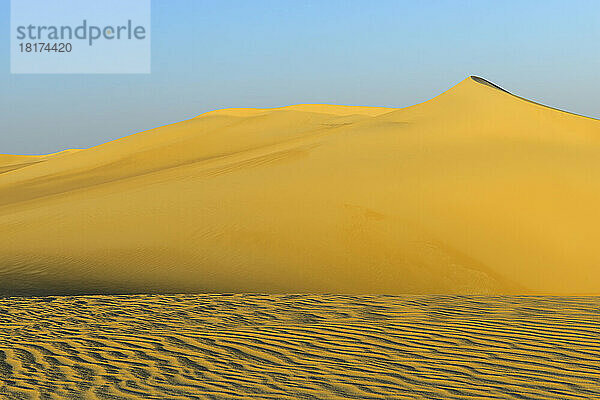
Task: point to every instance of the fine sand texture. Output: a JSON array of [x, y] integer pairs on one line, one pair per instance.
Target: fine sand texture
[[217, 347], [476, 191]]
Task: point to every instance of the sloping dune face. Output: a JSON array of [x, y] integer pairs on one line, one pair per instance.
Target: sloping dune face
[[476, 191]]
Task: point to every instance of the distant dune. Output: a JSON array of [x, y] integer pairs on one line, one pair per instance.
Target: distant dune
[[476, 191], [9, 162]]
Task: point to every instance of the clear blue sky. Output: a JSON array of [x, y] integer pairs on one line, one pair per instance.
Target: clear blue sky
[[222, 53]]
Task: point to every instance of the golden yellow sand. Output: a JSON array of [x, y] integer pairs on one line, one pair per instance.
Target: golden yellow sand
[[319, 347], [9, 162], [475, 191]]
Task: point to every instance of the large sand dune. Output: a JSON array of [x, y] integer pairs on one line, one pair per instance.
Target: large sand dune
[[474, 191]]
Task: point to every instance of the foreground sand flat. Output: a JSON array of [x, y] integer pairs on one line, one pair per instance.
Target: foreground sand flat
[[476, 191], [299, 347]]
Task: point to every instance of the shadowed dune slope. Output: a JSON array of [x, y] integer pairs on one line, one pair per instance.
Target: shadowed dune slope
[[476, 191]]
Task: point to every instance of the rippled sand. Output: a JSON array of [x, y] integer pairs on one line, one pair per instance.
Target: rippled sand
[[299, 347]]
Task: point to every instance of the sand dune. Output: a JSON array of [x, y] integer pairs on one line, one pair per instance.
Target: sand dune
[[299, 347], [476, 191], [10, 162]]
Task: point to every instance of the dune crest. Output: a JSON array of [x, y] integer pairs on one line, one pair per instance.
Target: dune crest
[[476, 191]]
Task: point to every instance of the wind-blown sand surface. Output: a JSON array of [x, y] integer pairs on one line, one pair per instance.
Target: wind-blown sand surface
[[476, 191], [299, 347]]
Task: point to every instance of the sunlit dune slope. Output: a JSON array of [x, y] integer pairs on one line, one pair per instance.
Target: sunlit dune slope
[[9, 162], [474, 191]]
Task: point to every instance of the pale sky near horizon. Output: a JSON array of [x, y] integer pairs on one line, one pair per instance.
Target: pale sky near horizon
[[216, 54]]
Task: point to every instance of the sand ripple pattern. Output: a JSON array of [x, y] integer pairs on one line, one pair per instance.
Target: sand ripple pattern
[[299, 347]]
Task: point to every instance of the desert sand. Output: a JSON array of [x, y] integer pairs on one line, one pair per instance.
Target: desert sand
[[320, 347], [476, 191], [472, 194]]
